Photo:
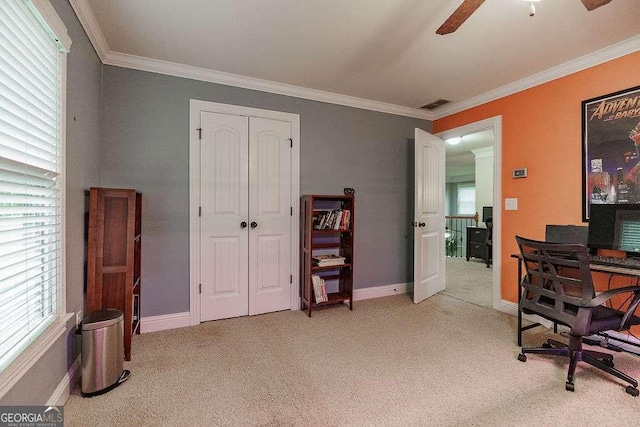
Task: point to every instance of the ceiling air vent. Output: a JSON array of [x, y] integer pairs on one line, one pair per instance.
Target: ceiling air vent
[[435, 104]]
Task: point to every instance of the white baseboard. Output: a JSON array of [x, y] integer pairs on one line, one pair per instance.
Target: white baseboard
[[63, 391], [382, 291], [508, 307], [512, 309], [164, 322]]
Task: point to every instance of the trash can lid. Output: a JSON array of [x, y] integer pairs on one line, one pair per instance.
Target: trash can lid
[[101, 319]]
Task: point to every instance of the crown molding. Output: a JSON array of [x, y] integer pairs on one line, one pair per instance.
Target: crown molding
[[482, 153], [90, 24], [617, 50], [228, 79], [107, 56]]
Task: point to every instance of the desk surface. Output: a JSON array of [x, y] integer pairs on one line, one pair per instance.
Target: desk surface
[[615, 269]]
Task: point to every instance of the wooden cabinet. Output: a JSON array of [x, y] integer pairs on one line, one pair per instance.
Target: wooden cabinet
[[327, 224], [113, 256], [477, 244]]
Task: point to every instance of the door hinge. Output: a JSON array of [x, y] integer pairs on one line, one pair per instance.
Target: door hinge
[[200, 288], [199, 210], [291, 278], [199, 133], [291, 142], [291, 210]]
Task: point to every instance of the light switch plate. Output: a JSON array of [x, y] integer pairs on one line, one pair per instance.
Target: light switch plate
[[510, 204]]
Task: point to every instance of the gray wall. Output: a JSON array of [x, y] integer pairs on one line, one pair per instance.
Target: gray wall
[[145, 136], [129, 128], [84, 74]]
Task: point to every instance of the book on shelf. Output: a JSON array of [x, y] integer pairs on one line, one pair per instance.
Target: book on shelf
[[339, 219], [319, 289], [327, 260]]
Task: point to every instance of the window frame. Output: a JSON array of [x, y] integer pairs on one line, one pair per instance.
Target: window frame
[[49, 18]]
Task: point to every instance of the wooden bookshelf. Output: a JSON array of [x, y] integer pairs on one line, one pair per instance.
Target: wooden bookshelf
[[336, 238], [113, 256]]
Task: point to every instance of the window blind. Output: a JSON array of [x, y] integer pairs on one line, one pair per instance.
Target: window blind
[[30, 173], [466, 200]]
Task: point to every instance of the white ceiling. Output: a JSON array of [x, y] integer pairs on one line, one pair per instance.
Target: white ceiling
[[378, 50]]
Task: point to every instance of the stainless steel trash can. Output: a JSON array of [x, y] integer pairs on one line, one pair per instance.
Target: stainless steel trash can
[[102, 351]]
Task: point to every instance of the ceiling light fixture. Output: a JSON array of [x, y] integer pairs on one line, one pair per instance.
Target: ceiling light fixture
[[454, 141], [532, 8]]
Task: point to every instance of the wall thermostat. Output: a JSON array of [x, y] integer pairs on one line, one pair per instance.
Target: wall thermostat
[[520, 173]]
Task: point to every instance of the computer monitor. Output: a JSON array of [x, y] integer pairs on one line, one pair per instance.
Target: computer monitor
[[487, 212], [627, 237], [577, 234], [615, 227]]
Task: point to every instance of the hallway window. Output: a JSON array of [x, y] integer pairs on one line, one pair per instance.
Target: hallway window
[[466, 199]]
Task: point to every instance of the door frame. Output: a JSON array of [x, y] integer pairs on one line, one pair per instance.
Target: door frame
[[494, 124], [196, 107]]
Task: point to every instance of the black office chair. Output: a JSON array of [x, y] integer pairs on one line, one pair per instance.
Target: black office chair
[[488, 240], [557, 285]]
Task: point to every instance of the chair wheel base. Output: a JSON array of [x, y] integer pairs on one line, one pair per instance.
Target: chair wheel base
[[632, 391], [569, 386], [608, 362], [522, 357]]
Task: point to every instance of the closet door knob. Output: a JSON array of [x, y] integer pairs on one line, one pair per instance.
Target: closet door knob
[[254, 224], [243, 224]]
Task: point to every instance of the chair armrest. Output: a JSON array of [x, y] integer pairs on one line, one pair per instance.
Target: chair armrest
[[600, 298], [607, 295], [630, 310]]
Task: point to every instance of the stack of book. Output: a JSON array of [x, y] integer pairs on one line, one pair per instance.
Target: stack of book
[[328, 260], [319, 288], [332, 220]]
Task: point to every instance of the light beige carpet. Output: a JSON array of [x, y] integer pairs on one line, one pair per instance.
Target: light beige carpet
[[388, 362], [470, 281]]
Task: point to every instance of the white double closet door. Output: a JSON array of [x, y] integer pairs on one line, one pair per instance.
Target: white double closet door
[[246, 215]]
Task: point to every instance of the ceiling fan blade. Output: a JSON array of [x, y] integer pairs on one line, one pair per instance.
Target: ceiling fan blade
[[594, 4], [457, 18]]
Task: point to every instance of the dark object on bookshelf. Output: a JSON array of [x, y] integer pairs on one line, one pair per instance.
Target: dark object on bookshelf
[[550, 289], [348, 191], [331, 246], [113, 256]]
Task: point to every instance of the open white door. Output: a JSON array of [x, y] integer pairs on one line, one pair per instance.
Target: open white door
[[429, 224]]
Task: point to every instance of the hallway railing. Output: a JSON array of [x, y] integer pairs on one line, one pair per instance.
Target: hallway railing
[[456, 234]]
